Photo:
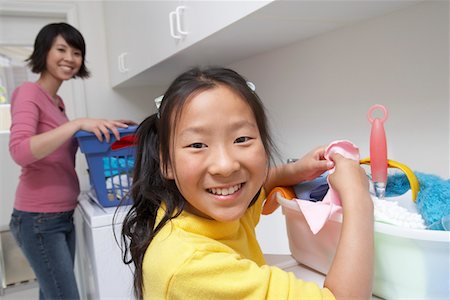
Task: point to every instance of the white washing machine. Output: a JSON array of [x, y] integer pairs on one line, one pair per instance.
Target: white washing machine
[[101, 273]]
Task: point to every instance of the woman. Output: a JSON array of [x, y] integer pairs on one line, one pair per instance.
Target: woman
[[42, 143]]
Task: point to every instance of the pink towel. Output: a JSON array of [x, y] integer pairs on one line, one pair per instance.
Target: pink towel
[[317, 213]]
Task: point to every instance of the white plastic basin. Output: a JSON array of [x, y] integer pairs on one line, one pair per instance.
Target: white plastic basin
[[409, 263]]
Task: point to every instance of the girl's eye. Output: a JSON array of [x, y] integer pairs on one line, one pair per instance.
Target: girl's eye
[[197, 145], [242, 139], [77, 53], [61, 49]]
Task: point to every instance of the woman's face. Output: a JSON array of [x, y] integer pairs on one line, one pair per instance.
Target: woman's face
[[219, 161], [63, 61]]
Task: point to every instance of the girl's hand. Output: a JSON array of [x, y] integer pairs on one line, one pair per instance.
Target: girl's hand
[[311, 165], [348, 178], [102, 127]]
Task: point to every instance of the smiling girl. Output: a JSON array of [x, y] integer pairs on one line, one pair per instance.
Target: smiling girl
[[201, 176]]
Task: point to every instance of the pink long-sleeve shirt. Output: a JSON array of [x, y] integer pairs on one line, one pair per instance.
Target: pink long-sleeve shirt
[[49, 184]]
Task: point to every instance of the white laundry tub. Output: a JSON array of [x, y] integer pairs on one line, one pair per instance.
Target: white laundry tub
[[409, 263]]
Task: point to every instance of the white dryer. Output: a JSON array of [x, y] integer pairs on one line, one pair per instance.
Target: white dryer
[[101, 273]]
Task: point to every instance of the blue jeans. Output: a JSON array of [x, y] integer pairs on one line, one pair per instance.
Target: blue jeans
[[48, 242]]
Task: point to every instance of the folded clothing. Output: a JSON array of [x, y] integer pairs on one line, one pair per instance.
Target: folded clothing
[[314, 190], [117, 165], [119, 185], [398, 211], [398, 208], [317, 213]]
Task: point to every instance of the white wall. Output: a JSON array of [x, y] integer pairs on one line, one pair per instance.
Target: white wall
[[320, 90], [102, 101], [9, 173]]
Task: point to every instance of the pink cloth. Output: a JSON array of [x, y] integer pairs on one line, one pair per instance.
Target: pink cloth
[[317, 213], [49, 184]]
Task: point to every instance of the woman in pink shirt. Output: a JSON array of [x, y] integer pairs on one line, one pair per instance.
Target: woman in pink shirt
[[42, 143]]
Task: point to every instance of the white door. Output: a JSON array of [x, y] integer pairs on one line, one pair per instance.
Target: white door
[[16, 43], [19, 26]]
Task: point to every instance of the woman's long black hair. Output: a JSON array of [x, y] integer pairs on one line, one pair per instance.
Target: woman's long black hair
[[150, 189]]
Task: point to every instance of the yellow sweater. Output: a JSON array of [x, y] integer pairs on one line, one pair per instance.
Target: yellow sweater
[[197, 258]]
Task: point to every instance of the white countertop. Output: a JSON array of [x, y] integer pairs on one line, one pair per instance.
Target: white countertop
[[289, 264]]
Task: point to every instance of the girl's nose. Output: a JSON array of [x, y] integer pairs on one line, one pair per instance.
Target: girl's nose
[[223, 162]]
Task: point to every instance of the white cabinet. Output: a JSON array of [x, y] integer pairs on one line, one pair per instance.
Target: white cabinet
[[134, 36], [142, 34], [150, 42]]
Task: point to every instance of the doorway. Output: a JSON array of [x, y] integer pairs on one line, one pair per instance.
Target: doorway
[[19, 24]]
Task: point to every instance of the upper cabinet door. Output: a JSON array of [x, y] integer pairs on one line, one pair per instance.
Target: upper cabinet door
[[151, 42], [142, 34], [200, 19], [137, 34]]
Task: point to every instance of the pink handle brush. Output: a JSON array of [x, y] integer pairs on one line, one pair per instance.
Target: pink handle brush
[[378, 151]]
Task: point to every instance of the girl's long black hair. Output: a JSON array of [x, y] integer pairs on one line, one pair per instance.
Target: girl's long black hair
[[150, 189]]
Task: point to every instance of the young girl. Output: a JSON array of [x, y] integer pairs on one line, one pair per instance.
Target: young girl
[[42, 143], [201, 176]]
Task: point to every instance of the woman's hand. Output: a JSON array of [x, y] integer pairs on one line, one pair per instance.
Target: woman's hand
[[45, 143], [103, 127]]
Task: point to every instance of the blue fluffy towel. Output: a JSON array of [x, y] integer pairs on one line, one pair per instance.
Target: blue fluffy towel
[[433, 199]]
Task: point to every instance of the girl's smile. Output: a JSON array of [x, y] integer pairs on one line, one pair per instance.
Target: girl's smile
[[225, 191], [218, 159]]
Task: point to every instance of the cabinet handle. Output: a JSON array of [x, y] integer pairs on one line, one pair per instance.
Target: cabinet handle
[[179, 12], [172, 28], [121, 63]]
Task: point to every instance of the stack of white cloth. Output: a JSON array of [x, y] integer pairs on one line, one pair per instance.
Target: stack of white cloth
[[399, 211], [119, 184]]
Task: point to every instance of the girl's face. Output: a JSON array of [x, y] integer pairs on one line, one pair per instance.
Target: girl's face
[[63, 61], [219, 161]]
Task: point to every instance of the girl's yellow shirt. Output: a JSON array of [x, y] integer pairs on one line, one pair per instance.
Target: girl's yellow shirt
[[196, 258]]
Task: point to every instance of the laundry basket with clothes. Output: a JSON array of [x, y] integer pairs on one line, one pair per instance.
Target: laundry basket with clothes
[[110, 166]]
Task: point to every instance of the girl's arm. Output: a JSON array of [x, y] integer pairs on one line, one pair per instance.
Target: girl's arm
[[351, 273], [45, 143]]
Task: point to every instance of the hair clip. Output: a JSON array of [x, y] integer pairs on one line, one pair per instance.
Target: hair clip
[[251, 85], [158, 101]]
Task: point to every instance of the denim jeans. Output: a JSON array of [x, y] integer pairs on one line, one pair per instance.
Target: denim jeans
[[48, 242]]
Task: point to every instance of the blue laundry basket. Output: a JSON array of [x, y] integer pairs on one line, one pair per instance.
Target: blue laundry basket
[[110, 170]]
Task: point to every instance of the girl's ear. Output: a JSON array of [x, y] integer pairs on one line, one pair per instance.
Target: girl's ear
[[167, 172]]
